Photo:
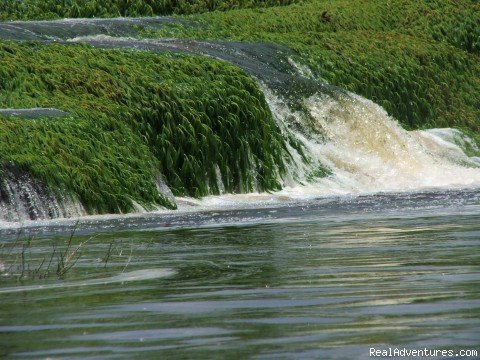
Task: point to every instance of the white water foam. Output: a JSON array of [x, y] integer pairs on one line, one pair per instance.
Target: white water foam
[[136, 275], [375, 153], [368, 151]]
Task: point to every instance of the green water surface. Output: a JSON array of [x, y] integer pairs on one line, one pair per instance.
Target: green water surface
[[293, 282]]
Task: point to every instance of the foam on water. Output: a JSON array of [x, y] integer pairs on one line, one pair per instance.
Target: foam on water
[[136, 275], [370, 148], [451, 144], [368, 151]]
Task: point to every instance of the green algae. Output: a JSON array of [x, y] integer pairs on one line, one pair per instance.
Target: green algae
[[54, 9], [419, 60], [202, 124], [105, 169]]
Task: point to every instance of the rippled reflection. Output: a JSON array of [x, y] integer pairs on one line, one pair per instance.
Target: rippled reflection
[[304, 284]]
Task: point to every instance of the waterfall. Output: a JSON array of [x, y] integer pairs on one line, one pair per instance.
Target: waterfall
[[24, 198], [367, 151], [338, 142]]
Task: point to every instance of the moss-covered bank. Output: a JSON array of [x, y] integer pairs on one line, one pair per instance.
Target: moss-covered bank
[[53, 9], [418, 59], [200, 123]]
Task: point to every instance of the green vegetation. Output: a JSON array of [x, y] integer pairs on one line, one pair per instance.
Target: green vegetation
[[318, 172], [135, 115], [420, 60], [59, 256], [53, 9], [203, 125], [105, 168], [19, 263]]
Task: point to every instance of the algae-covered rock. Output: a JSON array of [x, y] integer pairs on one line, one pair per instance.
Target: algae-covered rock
[[199, 123]]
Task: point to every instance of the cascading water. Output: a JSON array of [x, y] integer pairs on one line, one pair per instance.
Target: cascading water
[[368, 151], [25, 198], [340, 143]]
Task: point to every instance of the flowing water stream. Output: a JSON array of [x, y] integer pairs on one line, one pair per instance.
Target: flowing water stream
[[382, 252], [327, 278]]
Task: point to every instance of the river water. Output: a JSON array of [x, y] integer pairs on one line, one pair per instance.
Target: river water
[[326, 278]]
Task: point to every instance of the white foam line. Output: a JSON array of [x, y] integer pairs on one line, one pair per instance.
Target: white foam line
[[137, 275]]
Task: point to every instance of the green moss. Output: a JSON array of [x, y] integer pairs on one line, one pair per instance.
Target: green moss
[[105, 168], [135, 115], [420, 60], [318, 173], [53, 9]]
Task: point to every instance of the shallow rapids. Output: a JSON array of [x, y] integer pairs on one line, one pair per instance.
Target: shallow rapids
[[345, 144]]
